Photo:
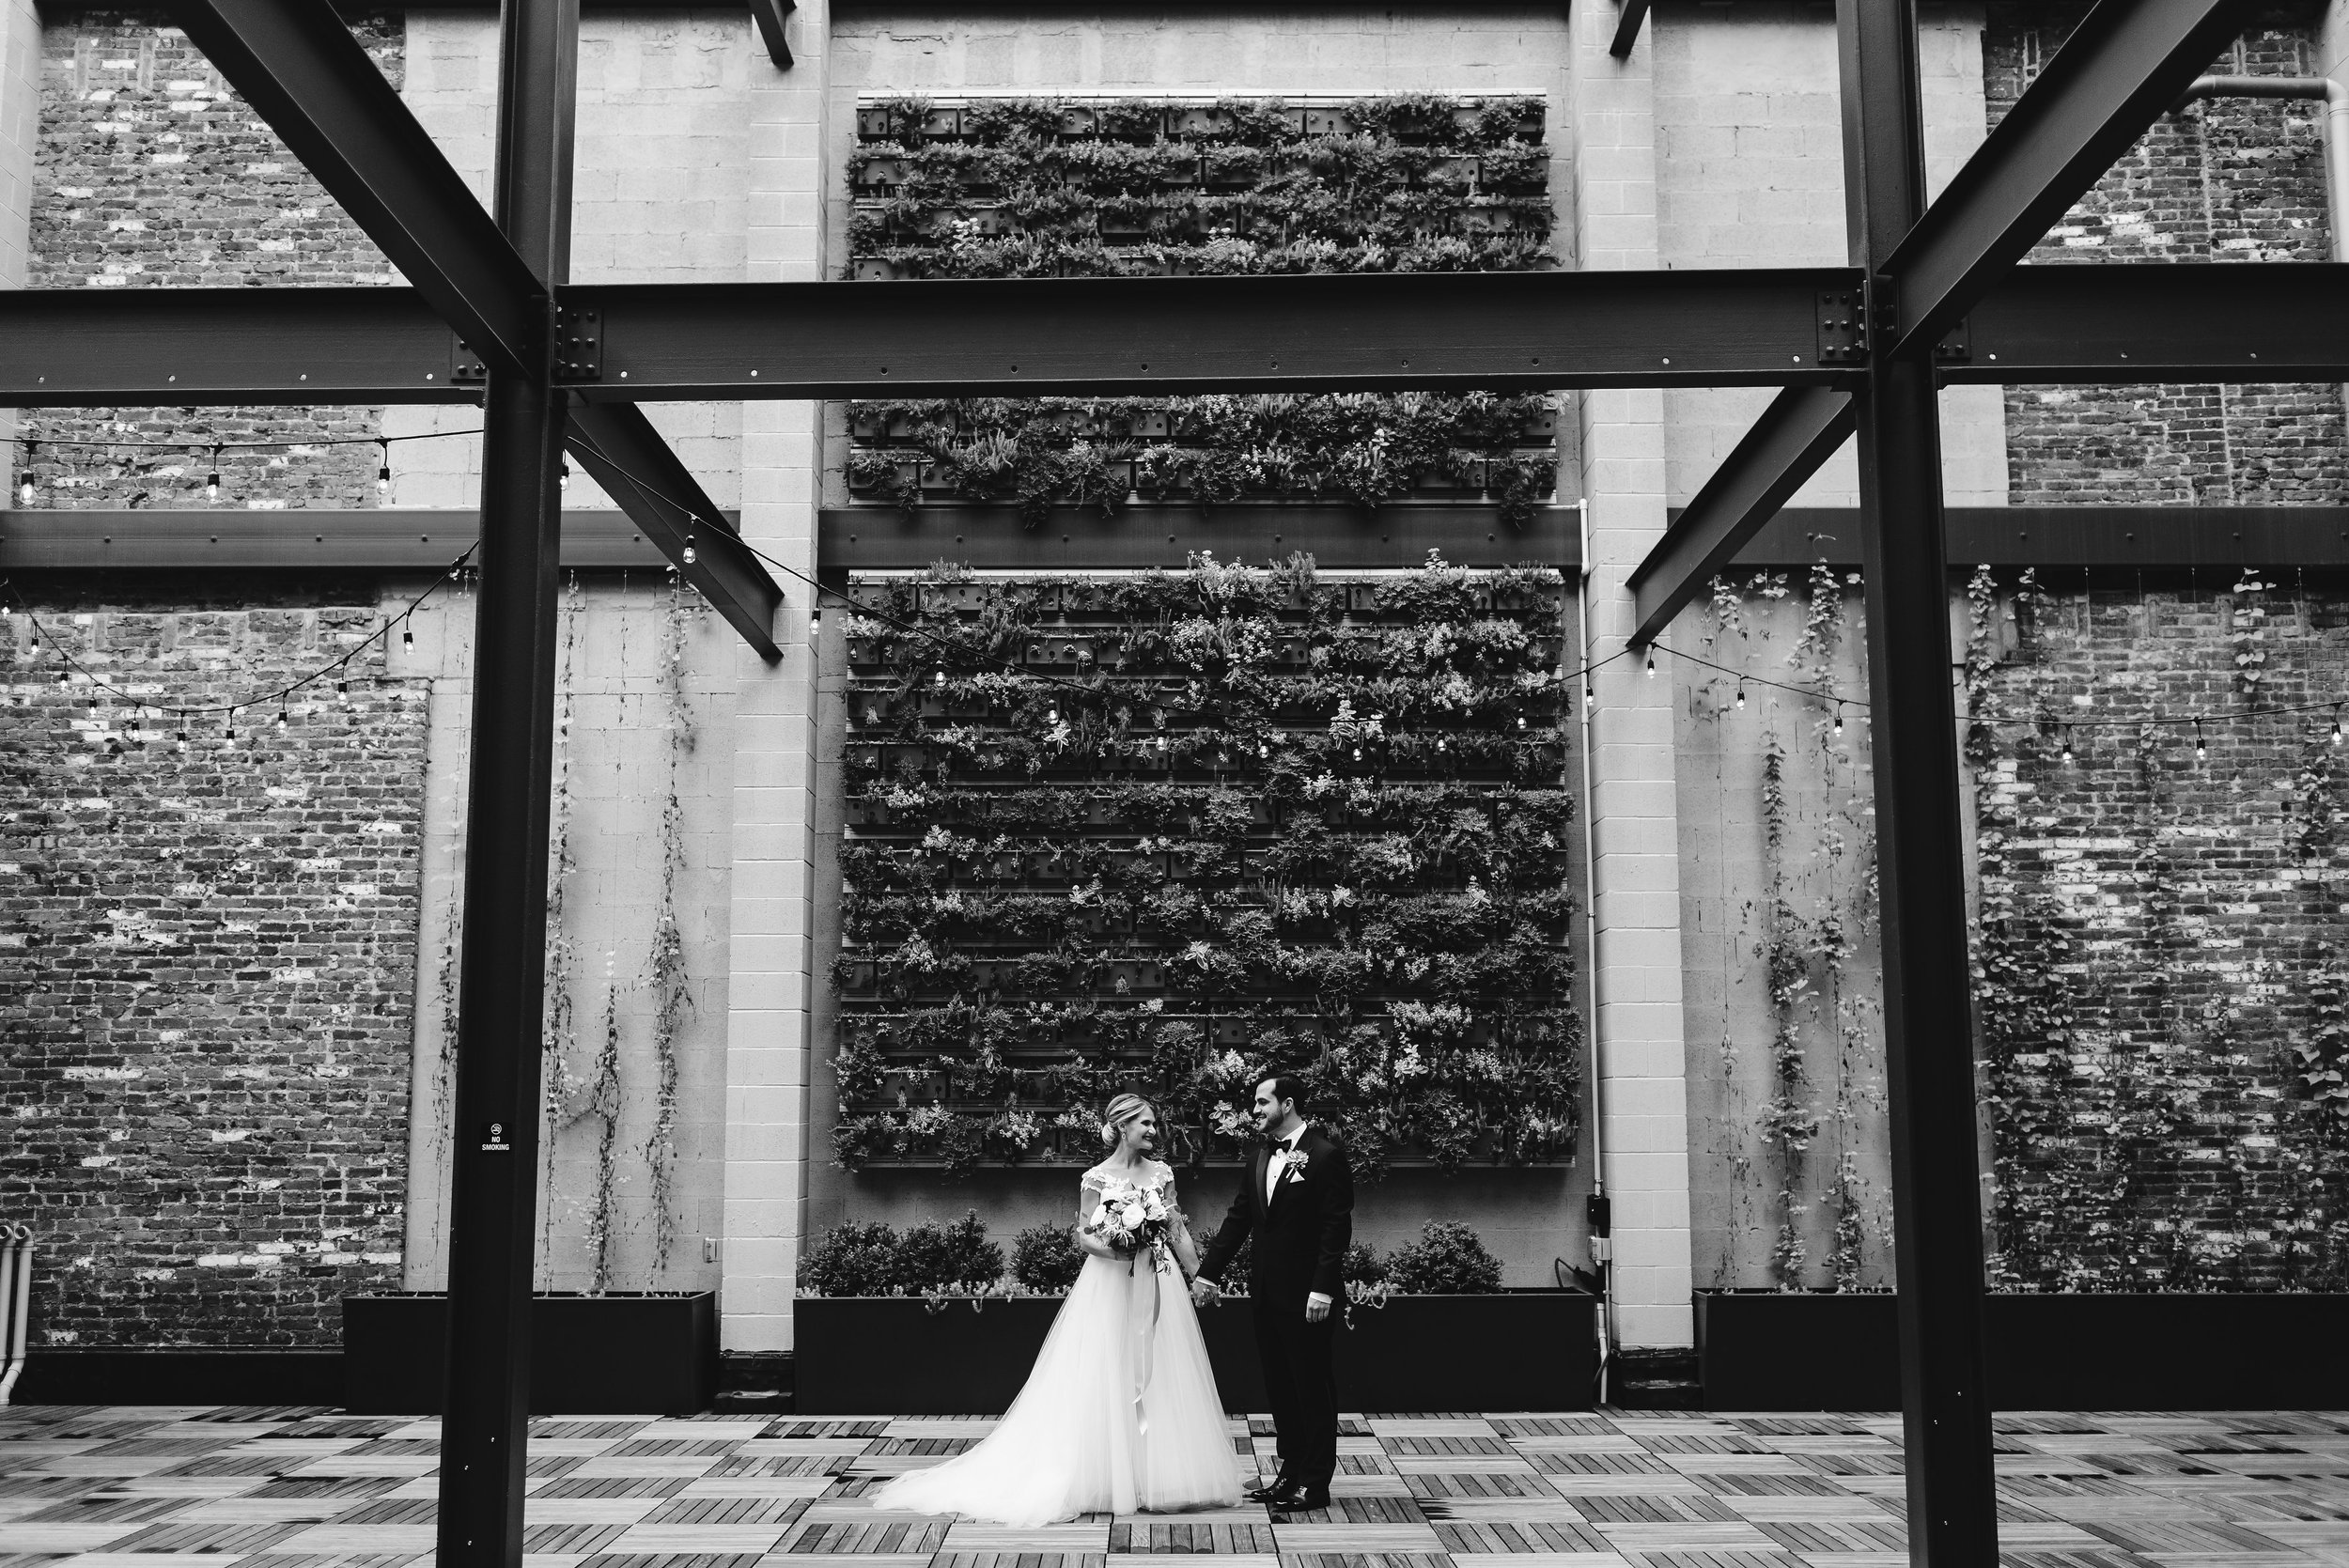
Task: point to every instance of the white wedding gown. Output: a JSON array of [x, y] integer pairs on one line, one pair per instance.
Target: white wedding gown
[[1119, 1415]]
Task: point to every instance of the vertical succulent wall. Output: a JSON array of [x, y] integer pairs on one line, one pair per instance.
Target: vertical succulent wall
[[1140, 187], [1176, 830]]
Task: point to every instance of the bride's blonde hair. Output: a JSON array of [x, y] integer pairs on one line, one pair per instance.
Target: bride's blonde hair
[[1118, 1112]]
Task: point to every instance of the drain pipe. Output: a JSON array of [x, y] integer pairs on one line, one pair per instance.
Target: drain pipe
[[2336, 99], [1601, 1215], [16, 1300]]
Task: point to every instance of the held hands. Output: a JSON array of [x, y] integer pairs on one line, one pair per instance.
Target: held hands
[[1317, 1307], [1204, 1292]]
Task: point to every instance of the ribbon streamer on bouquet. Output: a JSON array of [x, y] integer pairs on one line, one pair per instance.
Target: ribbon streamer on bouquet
[[1143, 1324]]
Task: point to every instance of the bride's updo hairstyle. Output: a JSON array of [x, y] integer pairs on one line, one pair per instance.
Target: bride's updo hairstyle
[[1119, 1112]]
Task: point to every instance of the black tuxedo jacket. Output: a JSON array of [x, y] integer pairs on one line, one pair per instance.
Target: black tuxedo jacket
[[1299, 1237]]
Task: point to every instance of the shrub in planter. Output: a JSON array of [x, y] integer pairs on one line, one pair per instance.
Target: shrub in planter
[[1448, 1259], [851, 1260], [1046, 1258], [940, 1257]]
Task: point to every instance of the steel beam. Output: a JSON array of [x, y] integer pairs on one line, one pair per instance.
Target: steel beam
[[1629, 17], [2097, 323], [679, 342], [323, 539], [1799, 430], [197, 347], [770, 16], [1922, 836], [296, 63], [2259, 321], [1338, 538], [2126, 62], [502, 956], [624, 453]]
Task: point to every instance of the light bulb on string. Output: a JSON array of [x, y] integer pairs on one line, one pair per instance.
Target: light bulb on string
[[1264, 749], [407, 637], [27, 483], [1520, 721], [562, 477], [1651, 663], [229, 733], [212, 481], [383, 468], [2067, 746], [939, 679], [815, 618], [1839, 718], [281, 718], [342, 694], [1741, 693], [180, 741], [35, 645], [2336, 723], [2201, 751], [689, 554]]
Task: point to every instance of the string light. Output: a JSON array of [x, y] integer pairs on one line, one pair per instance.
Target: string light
[[1651, 663], [2336, 723], [562, 477], [342, 692], [26, 482], [2067, 745], [689, 554], [211, 482], [407, 637], [1839, 718], [2201, 751], [937, 678], [281, 716], [180, 743], [229, 733], [36, 642], [1741, 693], [383, 468]]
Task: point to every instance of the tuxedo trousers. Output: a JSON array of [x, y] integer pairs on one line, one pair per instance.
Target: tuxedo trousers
[[1300, 1383]]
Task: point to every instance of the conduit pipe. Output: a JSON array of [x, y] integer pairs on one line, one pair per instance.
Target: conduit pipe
[[2336, 99], [16, 1301], [1601, 1218]]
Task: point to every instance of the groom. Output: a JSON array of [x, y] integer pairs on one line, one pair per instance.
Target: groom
[[1298, 1210]]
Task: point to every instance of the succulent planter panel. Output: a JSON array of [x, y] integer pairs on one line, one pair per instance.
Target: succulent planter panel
[[1137, 188], [1245, 821]]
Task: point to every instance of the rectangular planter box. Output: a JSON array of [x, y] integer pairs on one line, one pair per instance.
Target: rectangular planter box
[[623, 1353], [1764, 1350], [1520, 1350], [180, 1376]]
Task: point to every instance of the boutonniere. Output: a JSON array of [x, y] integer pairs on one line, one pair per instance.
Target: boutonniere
[[1296, 1170]]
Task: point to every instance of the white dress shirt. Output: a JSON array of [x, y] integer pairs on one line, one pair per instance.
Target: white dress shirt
[[1272, 1171]]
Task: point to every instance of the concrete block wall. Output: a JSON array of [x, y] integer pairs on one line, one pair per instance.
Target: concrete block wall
[[643, 762]]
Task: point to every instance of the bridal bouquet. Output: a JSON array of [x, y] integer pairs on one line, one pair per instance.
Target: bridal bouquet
[[1133, 1220]]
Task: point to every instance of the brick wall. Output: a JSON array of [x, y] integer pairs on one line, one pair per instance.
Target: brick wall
[[2177, 914], [149, 173], [2228, 180], [206, 991]]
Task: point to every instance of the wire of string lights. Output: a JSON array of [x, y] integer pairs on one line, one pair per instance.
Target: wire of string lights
[[2196, 721], [140, 706], [208, 445]]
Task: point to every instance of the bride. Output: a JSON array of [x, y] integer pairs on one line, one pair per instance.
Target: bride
[[1120, 1413]]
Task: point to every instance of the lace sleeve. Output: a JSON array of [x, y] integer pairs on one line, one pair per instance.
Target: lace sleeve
[[1089, 1196]]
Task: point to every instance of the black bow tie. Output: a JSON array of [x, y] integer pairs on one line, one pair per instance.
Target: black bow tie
[[1288, 1145]]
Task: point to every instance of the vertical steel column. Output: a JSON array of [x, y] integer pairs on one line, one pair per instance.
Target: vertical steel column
[[486, 1415], [1920, 829]]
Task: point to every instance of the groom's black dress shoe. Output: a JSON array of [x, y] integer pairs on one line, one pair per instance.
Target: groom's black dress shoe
[[1298, 1499], [1265, 1491]]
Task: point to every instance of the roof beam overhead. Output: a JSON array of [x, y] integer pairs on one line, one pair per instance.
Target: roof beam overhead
[[2126, 63]]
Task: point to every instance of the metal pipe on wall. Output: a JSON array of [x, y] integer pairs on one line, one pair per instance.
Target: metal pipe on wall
[[16, 1303], [1601, 1214]]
